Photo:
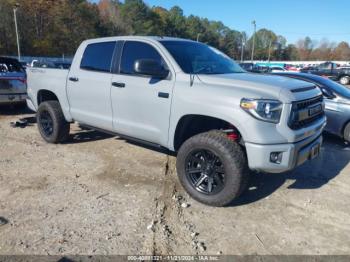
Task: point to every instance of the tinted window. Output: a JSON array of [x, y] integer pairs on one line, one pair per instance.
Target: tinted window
[[98, 57], [198, 58], [133, 51]]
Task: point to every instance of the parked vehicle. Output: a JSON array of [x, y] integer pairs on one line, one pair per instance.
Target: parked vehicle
[[248, 66], [276, 69], [291, 68], [331, 71], [13, 85], [186, 97], [51, 64], [62, 65], [337, 100], [253, 68]]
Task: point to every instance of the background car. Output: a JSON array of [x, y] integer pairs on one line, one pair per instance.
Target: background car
[[254, 68], [250, 67], [330, 70], [276, 69], [13, 83], [337, 99]]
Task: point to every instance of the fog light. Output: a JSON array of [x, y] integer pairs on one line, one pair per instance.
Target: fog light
[[276, 157]]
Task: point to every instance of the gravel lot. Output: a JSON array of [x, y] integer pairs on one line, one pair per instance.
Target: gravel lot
[[98, 194]]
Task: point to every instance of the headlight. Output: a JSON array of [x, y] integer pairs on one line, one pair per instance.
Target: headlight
[[263, 109]]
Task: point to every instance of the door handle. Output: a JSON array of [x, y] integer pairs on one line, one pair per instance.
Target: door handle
[[163, 95], [73, 79], [118, 84]]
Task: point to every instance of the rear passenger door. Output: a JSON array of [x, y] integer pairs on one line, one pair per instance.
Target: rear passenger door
[[89, 86], [141, 104]]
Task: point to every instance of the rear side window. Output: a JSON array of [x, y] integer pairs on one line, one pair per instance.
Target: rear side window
[[98, 57], [133, 51]]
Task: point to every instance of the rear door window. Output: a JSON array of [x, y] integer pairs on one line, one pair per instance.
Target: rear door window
[[98, 57]]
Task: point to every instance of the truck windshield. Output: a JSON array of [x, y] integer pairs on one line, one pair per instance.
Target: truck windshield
[[198, 58]]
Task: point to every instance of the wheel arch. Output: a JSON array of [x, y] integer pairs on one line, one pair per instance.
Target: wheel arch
[[193, 124], [44, 95]]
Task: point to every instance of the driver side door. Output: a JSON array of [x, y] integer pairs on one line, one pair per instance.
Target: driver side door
[[141, 104]]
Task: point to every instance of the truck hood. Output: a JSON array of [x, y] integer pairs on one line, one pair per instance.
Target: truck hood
[[265, 86]]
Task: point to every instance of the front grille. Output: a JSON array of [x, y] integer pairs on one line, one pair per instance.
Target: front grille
[[309, 102], [300, 115]]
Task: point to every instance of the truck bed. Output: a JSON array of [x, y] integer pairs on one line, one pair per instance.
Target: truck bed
[[50, 79]]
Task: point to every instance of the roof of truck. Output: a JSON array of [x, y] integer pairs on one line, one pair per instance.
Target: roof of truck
[[156, 38]]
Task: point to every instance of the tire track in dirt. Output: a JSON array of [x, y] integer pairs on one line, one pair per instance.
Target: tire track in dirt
[[171, 230]]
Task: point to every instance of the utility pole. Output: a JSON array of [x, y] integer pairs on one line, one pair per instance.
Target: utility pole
[[15, 18], [253, 46], [242, 48], [268, 59]]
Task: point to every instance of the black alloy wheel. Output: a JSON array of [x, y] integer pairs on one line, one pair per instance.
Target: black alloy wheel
[[205, 171], [46, 123]]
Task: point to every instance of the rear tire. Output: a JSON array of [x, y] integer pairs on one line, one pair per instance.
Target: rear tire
[[212, 168], [344, 80], [52, 125], [347, 132]]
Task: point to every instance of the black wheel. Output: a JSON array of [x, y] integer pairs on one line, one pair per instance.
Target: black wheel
[[52, 125], [344, 80], [347, 132], [212, 168]]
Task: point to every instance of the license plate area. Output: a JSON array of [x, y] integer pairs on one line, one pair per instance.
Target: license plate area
[[315, 110]]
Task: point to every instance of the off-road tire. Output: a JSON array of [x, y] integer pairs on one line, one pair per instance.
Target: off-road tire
[[234, 162], [347, 132], [60, 127]]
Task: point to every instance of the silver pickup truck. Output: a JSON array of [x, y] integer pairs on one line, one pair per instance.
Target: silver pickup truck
[[189, 98]]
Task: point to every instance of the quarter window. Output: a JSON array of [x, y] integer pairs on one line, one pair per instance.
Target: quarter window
[[98, 57], [133, 51]]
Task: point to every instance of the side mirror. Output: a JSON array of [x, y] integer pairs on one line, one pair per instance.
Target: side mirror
[[328, 94], [150, 67]]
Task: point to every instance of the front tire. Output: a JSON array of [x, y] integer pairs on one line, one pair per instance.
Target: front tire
[[212, 168], [52, 125], [344, 80]]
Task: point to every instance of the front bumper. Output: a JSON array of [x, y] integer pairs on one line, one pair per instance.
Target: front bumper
[[12, 98], [293, 154]]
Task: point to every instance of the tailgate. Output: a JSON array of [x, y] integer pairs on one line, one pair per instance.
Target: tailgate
[[12, 85]]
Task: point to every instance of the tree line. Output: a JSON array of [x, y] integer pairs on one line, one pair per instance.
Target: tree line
[[57, 27]]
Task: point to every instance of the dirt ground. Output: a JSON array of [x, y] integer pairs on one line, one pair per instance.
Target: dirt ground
[[98, 194]]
